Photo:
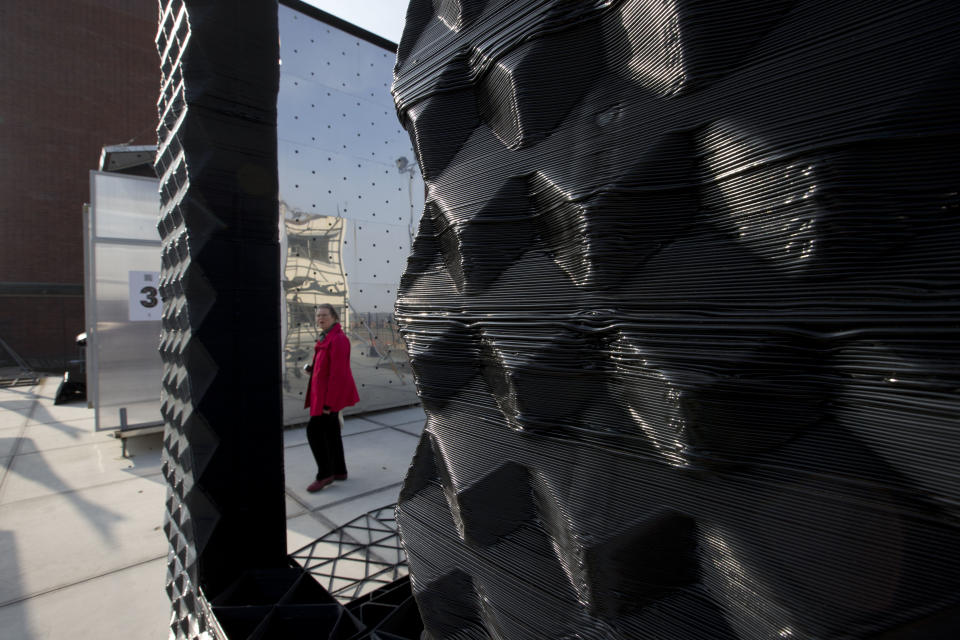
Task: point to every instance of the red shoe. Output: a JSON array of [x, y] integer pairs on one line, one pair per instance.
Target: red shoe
[[316, 485], [340, 476]]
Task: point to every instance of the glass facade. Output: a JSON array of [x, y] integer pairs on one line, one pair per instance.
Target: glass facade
[[350, 199]]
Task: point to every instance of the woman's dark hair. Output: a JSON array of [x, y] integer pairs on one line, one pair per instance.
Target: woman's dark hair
[[333, 312]]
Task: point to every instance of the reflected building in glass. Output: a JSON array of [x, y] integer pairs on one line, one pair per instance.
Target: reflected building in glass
[[312, 275]]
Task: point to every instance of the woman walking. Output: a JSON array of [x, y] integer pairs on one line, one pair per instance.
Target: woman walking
[[331, 390]]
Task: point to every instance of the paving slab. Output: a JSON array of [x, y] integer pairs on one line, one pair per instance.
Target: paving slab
[[14, 413], [353, 426], [16, 393], [9, 440], [58, 435], [46, 473], [412, 428], [375, 460], [293, 507], [343, 512], [46, 388], [304, 529], [294, 437], [396, 417], [17, 403], [46, 412], [11, 425], [129, 603], [21, 391], [59, 540]]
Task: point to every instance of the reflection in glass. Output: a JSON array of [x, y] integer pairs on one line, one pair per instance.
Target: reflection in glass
[[312, 275], [347, 207], [315, 249]]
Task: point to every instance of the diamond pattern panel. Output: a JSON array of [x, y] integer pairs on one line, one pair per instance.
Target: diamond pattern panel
[[216, 126]]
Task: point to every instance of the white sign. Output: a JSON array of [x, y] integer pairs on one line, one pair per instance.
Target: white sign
[[145, 296]]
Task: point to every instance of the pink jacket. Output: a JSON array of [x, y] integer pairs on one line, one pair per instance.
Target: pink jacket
[[331, 382]]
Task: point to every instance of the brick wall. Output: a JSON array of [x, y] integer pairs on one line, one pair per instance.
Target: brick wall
[[74, 75]]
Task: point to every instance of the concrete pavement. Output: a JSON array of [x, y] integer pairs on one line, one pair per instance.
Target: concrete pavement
[[82, 550]]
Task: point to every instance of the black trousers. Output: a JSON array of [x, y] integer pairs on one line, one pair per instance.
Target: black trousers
[[323, 434]]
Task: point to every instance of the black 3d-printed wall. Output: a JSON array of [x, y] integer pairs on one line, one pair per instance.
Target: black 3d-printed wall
[[683, 313], [220, 344]]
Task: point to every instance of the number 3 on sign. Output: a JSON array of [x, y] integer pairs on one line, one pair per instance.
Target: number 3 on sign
[[150, 297], [144, 300]]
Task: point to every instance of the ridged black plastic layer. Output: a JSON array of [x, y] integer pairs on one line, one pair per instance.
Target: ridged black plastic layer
[[220, 342], [683, 313]]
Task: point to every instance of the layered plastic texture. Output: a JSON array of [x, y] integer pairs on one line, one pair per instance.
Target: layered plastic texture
[[682, 310]]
